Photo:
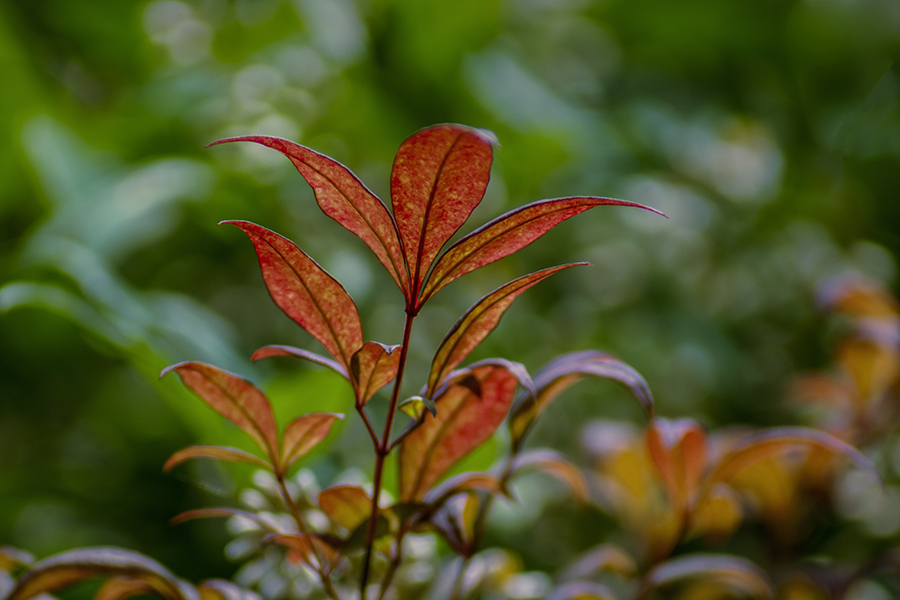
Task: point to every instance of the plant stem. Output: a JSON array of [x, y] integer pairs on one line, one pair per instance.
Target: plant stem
[[295, 512], [460, 576], [382, 450]]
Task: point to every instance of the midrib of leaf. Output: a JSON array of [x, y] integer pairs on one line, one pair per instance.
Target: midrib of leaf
[[243, 411], [428, 205], [292, 457]]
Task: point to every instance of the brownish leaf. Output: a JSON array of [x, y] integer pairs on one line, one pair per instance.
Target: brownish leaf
[[507, 234], [234, 398], [216, 453], [556, 465], [477, 323], [220, 589], [345, 505], [270, 351], [373, 366], [561, 373], [310, 549], [306, 293], [463, 422], [302, 434], [680, 452], [124, 586], [345, 199], [439, 177], [605, 557], [222, 513], [731, 572], [464, 483]]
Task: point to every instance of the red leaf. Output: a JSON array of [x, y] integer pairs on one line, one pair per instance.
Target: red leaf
[[216, 453], [270, 351], [463, 422], [345, 199], [234, 398], [306, 293], [566, 370], [680, 452], [439, 177], [477, 323], [346, 505], [302, 434], [507, 234], [373, 366]]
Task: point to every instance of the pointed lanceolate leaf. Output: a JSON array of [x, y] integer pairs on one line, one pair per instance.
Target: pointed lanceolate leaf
[[270, 351], [439, 177], [464, 483], [566, 370], [477, 323], [67, 568], [306, 293], [302, 434], [679, 451], [234, 398], [345, 505], [772, 442], [556, 465], [373, 367], [463, 422], [222, 513], [216, 453], [345, 199], [736, 574], [509, 233]]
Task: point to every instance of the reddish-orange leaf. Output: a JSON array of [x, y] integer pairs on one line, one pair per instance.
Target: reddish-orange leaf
[[311, 549], [508, 233], [222, 513], [345, 199], [780, 440], [70, 567], [306, 293], [463, 422], [736, 574], [439, 177], [566, 370], [464, 483], [270, 351], [216, 453], [302, 434], [477, 323], [234, 398], [373, 366], [556, 465], [680, 452], [345, 505]]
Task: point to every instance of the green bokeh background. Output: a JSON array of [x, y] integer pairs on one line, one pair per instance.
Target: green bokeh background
[[768, 132]]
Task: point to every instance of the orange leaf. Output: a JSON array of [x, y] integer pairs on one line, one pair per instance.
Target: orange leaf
[[345, 505], [234, 398], [216, 453], [680, 452], [306, 293], [302, 434], [373, 366], [463, 422]]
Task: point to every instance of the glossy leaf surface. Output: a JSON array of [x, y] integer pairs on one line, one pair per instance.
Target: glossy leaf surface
[[306, 293], [302, 434], [345, 505], [270, 351], [438, 178], [563, 372], [477, 322], [507, 234], [234, 398], [373, 366], [556, 465], [216, 453], [345, 199], [731, 572], [67, 568], [463, 422]]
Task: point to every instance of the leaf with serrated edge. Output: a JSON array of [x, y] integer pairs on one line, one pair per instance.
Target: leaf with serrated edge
[[67, 568], [306, 293], [216, 453], [509, 233], [302, 434], [463, 422], [344, 198], [556, 465], [345, 505], [729, 571], [373, 366], [566, 370], [270, 351], [679, 451], [234, 398], [478, 322], [771, 442], [438, 178], [222, 513]]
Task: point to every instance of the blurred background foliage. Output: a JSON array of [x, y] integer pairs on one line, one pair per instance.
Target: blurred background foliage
[[768, 132]]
